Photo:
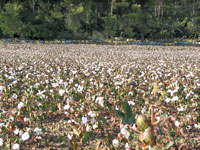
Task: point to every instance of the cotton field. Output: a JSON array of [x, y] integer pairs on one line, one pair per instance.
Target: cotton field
[[80, 96]]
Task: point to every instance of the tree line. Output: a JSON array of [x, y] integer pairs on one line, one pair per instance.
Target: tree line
[[99, 19]]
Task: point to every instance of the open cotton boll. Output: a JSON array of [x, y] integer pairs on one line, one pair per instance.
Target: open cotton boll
[[180, 108], [38, 131], [15, 96], [66, 107], [25, 136], [94, 126], [16, 132], [16, 147], [177, 123], [20, 105], [127, 146], [1, 142], [196, 126], [175, 98], [69, 137], [91, 114], [26, 119], [100, 101], [115, 143], [61, 92], [84, 120], [167, 100], [131, 103]]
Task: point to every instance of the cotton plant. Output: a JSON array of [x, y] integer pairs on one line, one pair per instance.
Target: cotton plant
[[78, 89]]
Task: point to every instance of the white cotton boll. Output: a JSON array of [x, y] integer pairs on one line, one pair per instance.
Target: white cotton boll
[[177, 123], [69, 137], [25, 136], [55, 84], [74, 72], [20, 105], [65, 84], [123, 131], [115, 143], [16, 147], [131, 103], [61, 92], [180, 109], [26, 119], [37, 84], [38, 131], [101, 85], [157, 118], [196, 126], [4, 112], [2, 125], [100, 101], [175, 98], [134, 127], [60, 82], [84, 120], [88, 128], [191, 74], [91, 114], [66, 113], [1, 89], [11, 118], [150, 148], [167, 100], [16, 132], [69, 121], [80, 89], [94, 126], [189, 127], [1, 142], [6, 76], [143, 110], [20, 133], [127, 146], [92, 121], [130, 93], [15, 96], [66, 107]]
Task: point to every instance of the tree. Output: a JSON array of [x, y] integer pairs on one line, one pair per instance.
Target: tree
[[10, 23]]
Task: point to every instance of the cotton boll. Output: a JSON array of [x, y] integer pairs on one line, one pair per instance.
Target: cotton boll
[[84, 120], [25, 136], [1, 142], [16, 132], [115, 143], [16, 147], [127, 146], [20, 105]]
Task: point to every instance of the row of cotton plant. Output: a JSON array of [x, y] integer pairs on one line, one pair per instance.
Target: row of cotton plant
[[99, 97]]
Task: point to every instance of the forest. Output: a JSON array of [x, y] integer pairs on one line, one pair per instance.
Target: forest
[[100, 19]]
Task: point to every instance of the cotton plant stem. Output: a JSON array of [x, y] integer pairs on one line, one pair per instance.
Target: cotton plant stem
[[152, 115]]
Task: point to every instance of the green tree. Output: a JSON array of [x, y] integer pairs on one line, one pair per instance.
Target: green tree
[[10, 23]]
